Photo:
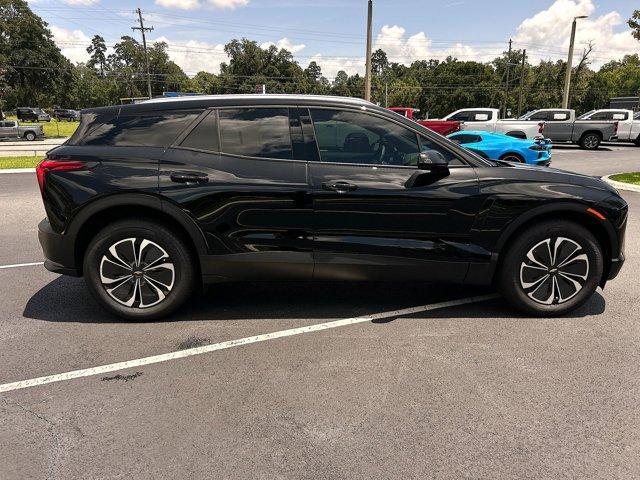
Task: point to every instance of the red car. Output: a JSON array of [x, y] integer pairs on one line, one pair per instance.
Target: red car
[[443, 127]]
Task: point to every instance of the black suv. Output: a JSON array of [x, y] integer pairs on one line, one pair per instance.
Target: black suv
[[148, 201], [30, 114], [65, 114]]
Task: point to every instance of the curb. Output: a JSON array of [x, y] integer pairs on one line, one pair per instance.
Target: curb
[[621, 185], [17, 170]]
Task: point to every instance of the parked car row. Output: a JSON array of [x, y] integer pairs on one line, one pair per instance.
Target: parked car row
[[36, 114], [558, 125]]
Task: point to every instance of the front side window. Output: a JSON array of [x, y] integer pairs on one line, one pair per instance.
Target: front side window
[[151, 130], [256, 132], [345, 136], [204, 136]]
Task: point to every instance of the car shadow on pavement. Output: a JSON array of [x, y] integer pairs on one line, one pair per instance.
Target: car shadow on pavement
[[66, 299]]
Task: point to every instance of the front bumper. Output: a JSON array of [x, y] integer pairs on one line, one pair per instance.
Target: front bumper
[[59, 251], [615, 267]]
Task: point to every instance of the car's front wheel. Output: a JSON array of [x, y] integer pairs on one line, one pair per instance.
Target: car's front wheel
[[551, 268], [590, 141], [139, 270]]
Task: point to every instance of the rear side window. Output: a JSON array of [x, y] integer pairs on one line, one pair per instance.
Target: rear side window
[[204, 136], [256, 132], [150, 130]]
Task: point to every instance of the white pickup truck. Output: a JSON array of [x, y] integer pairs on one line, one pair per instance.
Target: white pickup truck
[[628, 122], [488, 120]]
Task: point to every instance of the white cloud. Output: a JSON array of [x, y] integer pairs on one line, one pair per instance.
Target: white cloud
[[547, 33], [72, 43], [84, 3], [180, 4], [193, 4], [194, 56], [228, 3], [286, 44], [331, 66]]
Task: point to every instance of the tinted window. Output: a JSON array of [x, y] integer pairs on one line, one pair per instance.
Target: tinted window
[[205, 135], [353, 137], [465, 138], [540, 116], [636, 116], [152, 130], [473, 116], [256, 132]]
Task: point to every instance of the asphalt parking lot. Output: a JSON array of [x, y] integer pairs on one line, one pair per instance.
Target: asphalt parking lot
[[463, 391]]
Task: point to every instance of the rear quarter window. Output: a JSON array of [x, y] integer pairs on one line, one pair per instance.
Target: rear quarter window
[[155, 129]]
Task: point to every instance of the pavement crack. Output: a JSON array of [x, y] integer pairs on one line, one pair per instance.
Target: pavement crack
[[122, 378], [53, 431]]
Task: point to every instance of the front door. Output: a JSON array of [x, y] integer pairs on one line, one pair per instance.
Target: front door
[[8, 129], [377, 217], [241, 174]]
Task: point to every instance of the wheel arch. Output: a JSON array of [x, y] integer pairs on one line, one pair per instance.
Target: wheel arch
[[577, 213], [100, 213], [587, 132]]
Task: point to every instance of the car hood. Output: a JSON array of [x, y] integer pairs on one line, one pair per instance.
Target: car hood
[[555, 175]]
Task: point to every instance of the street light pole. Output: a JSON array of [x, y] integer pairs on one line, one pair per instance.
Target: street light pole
[[567, 78], [367, 78]]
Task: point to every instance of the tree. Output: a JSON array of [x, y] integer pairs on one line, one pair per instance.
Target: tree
[[36, 73], [313, 72], [634, 24], [97, 51], [379, 62]]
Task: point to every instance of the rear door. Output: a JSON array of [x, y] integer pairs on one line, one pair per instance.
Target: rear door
[[241, 174], [377, 217]]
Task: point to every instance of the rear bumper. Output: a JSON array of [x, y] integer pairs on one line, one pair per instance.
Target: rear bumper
[[58, 251]]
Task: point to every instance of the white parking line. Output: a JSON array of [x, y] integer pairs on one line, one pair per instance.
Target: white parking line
[[61, 377], [18, 265]]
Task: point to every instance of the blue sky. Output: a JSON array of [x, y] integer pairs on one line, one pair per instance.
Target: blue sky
[[332, 31]]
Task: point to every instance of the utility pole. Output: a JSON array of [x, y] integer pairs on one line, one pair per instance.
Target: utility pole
[[567, 78], [386, 95], [367, 78], [506, 89], [144, 44], [520, 95]]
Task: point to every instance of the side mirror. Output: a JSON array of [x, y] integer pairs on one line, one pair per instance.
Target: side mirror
[[432, 160]]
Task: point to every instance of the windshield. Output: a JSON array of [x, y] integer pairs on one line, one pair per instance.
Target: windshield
[[584, 116], [636, 116], [526, 115]]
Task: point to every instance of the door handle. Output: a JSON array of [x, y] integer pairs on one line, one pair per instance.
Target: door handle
[[340, 187], [189, 177]]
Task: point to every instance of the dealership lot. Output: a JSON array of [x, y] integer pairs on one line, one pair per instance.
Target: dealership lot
[[474, 390]]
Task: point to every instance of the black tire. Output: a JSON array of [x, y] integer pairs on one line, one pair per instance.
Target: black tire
[[519, 276], [512, 157], [590, 141], [637, 141], [163, 247], [30, 136]]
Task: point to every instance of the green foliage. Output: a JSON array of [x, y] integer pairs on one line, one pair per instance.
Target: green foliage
[[634, 24], [632, 178], [38, 75]]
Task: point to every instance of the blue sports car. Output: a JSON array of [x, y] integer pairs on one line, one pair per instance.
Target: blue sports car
[[497, 146]]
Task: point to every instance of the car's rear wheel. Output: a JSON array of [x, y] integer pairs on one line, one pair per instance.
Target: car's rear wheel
[[590, 141], [512, 157], [551, 268], [30, 136], [139, 270]]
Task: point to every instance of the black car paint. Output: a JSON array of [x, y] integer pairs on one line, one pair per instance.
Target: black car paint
[[256, 218]]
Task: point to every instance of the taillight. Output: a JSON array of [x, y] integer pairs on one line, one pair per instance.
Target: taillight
[[47, 165], [540, 127]]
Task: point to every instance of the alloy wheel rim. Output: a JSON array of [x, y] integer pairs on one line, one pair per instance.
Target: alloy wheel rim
[[513, 159], [591, 141], [137, 273], [554, 271]]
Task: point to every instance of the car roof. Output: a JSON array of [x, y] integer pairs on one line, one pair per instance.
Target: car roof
[[206, 101]]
